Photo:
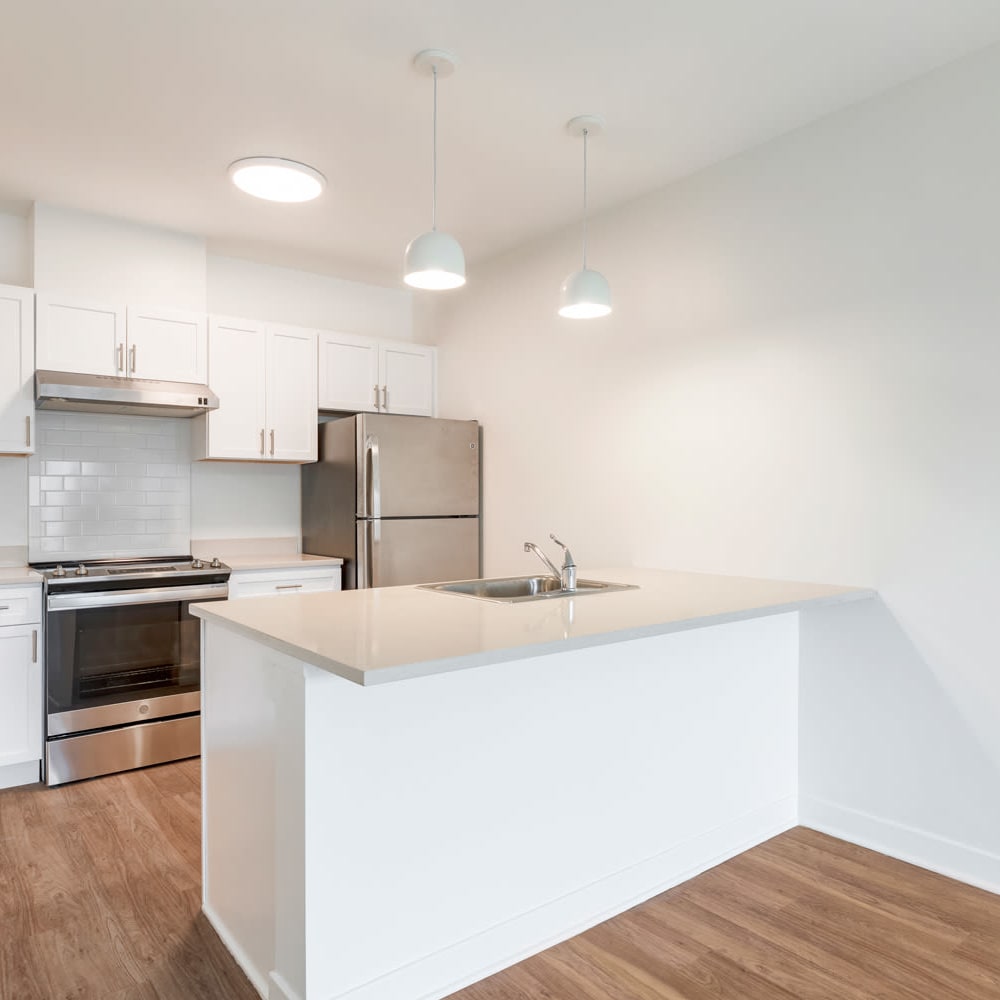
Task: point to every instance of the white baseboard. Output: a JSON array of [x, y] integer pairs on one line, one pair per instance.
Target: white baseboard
[[13, 775], [257, 979], [281, 989], [906, 843], [466, 962]]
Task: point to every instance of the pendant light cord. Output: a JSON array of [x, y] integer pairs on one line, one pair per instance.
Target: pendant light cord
[[434, 167], [585, 132]]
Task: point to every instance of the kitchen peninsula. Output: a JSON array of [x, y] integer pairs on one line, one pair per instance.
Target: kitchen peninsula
[[405, 791]]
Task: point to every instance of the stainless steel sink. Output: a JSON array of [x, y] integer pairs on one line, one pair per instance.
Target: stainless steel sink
[[514, 589]]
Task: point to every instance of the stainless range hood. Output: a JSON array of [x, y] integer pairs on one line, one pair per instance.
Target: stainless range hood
[[142, 397]]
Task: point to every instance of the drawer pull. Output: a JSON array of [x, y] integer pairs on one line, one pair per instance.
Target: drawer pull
[[289, 586], [4, 607]]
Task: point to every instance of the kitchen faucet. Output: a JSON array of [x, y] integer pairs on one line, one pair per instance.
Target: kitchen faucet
[[567, 575]]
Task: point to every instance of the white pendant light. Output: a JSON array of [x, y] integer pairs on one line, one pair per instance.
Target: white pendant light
[[434, 260], [585, 294], [274, 178]]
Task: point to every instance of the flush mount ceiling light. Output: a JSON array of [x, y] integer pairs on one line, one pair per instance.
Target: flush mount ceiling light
[[274, 178], [585, 293], [434, 260]]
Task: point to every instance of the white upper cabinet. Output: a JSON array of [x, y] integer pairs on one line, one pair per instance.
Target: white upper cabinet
[[73, 335], [17, 369], [291, 394], [265, 378], [348, 372], [361, 374], [167, 345], [407, 374]]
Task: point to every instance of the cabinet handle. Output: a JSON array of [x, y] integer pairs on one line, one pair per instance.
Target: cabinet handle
[[262, 442], [27, 432], [34, 645], [385, 397], [272, 441], [4, 607], [121, 357], [289, 586], [376, 397], [132, 352]]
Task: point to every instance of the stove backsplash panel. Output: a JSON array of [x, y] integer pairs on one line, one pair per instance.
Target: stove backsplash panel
[[103, 486]]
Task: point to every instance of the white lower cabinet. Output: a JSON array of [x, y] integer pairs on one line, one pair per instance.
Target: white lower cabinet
[[17, 370], [258, 583], [265, 378], [360, 374], [21, 686]]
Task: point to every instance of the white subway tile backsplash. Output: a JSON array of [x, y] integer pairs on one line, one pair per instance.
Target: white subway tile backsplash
[[106, 486]]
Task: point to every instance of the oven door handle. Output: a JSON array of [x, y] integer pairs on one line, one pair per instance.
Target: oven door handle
[[149, 595]]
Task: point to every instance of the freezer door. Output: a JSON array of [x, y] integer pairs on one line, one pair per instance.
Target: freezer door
[[392, 553], [417, 466]]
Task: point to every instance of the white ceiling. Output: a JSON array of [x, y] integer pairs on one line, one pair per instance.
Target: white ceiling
[[134, 108]]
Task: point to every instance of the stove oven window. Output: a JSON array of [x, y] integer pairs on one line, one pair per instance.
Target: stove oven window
[[100, 656]]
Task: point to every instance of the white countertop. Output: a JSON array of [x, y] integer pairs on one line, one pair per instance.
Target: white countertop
[[11, 576], [394, 633], [290, 560]]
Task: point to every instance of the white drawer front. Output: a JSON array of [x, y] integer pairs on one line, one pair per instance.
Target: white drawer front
[[259, 584], [20, 605]]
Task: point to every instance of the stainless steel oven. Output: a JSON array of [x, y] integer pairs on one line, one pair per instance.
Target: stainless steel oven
[[123, 663]]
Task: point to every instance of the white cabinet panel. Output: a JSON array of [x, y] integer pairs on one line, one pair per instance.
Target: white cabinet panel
[[167, 345], [291, 394], [407, 375], [20, 695], [360, 374], [265, 378], [237, 375], [73, 335], [17, 369], [348, 372], [259, 583]]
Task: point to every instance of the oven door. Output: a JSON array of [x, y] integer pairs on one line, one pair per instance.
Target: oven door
[[123, 656]]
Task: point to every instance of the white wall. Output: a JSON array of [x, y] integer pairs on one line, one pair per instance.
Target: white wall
[[97, 257], [246, 288], [15, 250], [244, 500], [798, 381]]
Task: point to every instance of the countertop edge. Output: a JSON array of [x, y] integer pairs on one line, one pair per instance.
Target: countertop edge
[[427, 668]]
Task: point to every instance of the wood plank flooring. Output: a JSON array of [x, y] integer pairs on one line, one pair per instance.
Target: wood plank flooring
[[100, 894]]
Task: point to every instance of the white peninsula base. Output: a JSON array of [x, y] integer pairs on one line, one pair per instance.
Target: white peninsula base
[[401, 840]]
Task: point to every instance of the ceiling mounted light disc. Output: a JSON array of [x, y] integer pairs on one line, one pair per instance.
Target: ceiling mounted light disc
[[585, 294], [274, 178], [434, 261]]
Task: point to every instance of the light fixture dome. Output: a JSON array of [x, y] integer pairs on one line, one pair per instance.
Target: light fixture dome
[[585, 294], [274, 178], [434, 261]]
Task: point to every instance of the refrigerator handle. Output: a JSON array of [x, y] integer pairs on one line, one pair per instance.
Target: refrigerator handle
[[371, 537], [375, 484]]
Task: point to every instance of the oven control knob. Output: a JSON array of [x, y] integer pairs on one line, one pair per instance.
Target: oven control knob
[[82, 570], [197, 564], [216, 563], [59, 571]]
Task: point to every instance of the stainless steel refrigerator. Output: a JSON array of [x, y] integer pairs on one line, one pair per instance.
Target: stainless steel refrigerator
[[396, 497]]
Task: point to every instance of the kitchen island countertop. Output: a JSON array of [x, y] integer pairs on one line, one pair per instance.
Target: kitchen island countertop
[[395, 633]]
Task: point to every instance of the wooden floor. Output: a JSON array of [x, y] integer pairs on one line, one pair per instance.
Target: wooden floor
[[99, 900]]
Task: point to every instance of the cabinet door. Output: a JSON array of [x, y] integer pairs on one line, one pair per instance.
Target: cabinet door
[[407, 372], [17, 370], [171, 346], [236, 373], [20, 694], [292, 416], [73, 335], [348, 372]]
